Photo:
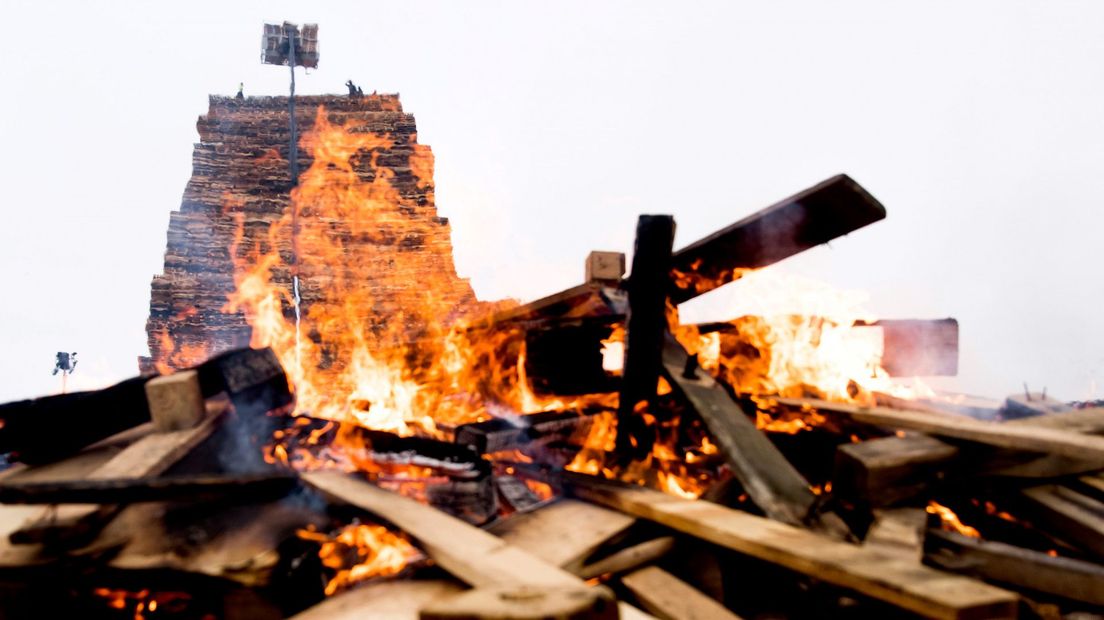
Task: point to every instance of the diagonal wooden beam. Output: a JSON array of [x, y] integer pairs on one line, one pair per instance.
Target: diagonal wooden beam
[[824, 212], [774, 485], [900, 582]]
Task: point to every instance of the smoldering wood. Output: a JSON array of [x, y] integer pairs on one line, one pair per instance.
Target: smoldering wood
[[1029, 405], [1035, 571], [566, 359], [467, 552], [826, 211], [645, 326], [1023, 438], [498, 434], [1068, 515], [924, 591], [32, 429], [774, 485], [241, 488], [252, 378]]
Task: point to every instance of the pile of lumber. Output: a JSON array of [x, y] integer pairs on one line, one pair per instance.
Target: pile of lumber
[[151, 498]]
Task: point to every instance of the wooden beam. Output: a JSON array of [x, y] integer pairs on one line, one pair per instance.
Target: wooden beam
[[564, 533], [1089, 421], [1031, 439], [1069, 515], [670, 598], [388, 600], [771, 481], [645, 326], [923, 591], [824, 212], [467, 552], [150, 456], [629, 558], [1022, 568], [883, 471], [250, 487]]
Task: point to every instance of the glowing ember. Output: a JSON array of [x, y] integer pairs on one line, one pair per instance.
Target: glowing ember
[[361, 551], [950, 520], [143, 603]]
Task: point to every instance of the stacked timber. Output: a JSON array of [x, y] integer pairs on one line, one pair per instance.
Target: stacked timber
[[241, 185]]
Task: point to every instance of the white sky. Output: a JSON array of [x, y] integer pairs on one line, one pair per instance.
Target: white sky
[[980, 126]]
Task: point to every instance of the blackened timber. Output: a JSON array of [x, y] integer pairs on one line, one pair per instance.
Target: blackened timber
[[903, 583], [828, 210], [772, 482], [248, 487], [1068, 578], [645, 326]]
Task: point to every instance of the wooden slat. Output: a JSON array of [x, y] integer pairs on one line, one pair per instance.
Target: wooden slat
[[391, 600], [565, 533], [1070, 515], [824, 212], [250, 487], [922, 590], [629, 558], [1022, 568], [670, 598], [1032, 439], [771, 481], [1089, 421], [467, 552], [149, 456]]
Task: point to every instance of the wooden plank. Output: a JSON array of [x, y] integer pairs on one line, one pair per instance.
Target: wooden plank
[[670, 598], [1022, 568], [1070, 515], [175, 401], [149, 456], [467, 552], [1089, 421], [250, 487], [826, 211], [514, 603], [919, 348], [388, 600], [629, 558], [645, 326], [922, 590], [884, 471], [1032, 439], [898, 531], [564, 533], [771, 481]]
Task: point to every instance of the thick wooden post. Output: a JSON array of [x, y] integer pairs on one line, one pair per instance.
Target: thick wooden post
[[645, 327]]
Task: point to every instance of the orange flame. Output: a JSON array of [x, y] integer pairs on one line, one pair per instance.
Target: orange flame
[[361, 551], [377, 349], [950, 520]]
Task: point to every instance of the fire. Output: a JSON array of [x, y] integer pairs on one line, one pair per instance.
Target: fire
[[361, 551], [357, 357], [950, 520], [142, 603]]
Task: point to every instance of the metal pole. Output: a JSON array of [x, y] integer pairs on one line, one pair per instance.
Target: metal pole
[[293, 158]]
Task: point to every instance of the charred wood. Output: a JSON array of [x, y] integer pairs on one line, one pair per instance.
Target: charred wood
[[245, 488], [645, 327]]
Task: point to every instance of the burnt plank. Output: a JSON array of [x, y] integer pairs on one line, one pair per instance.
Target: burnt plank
[[903, 583], [1068, 578], [771, 481], [243, 487], [1069, 515], [645, 326], [824, 212]]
